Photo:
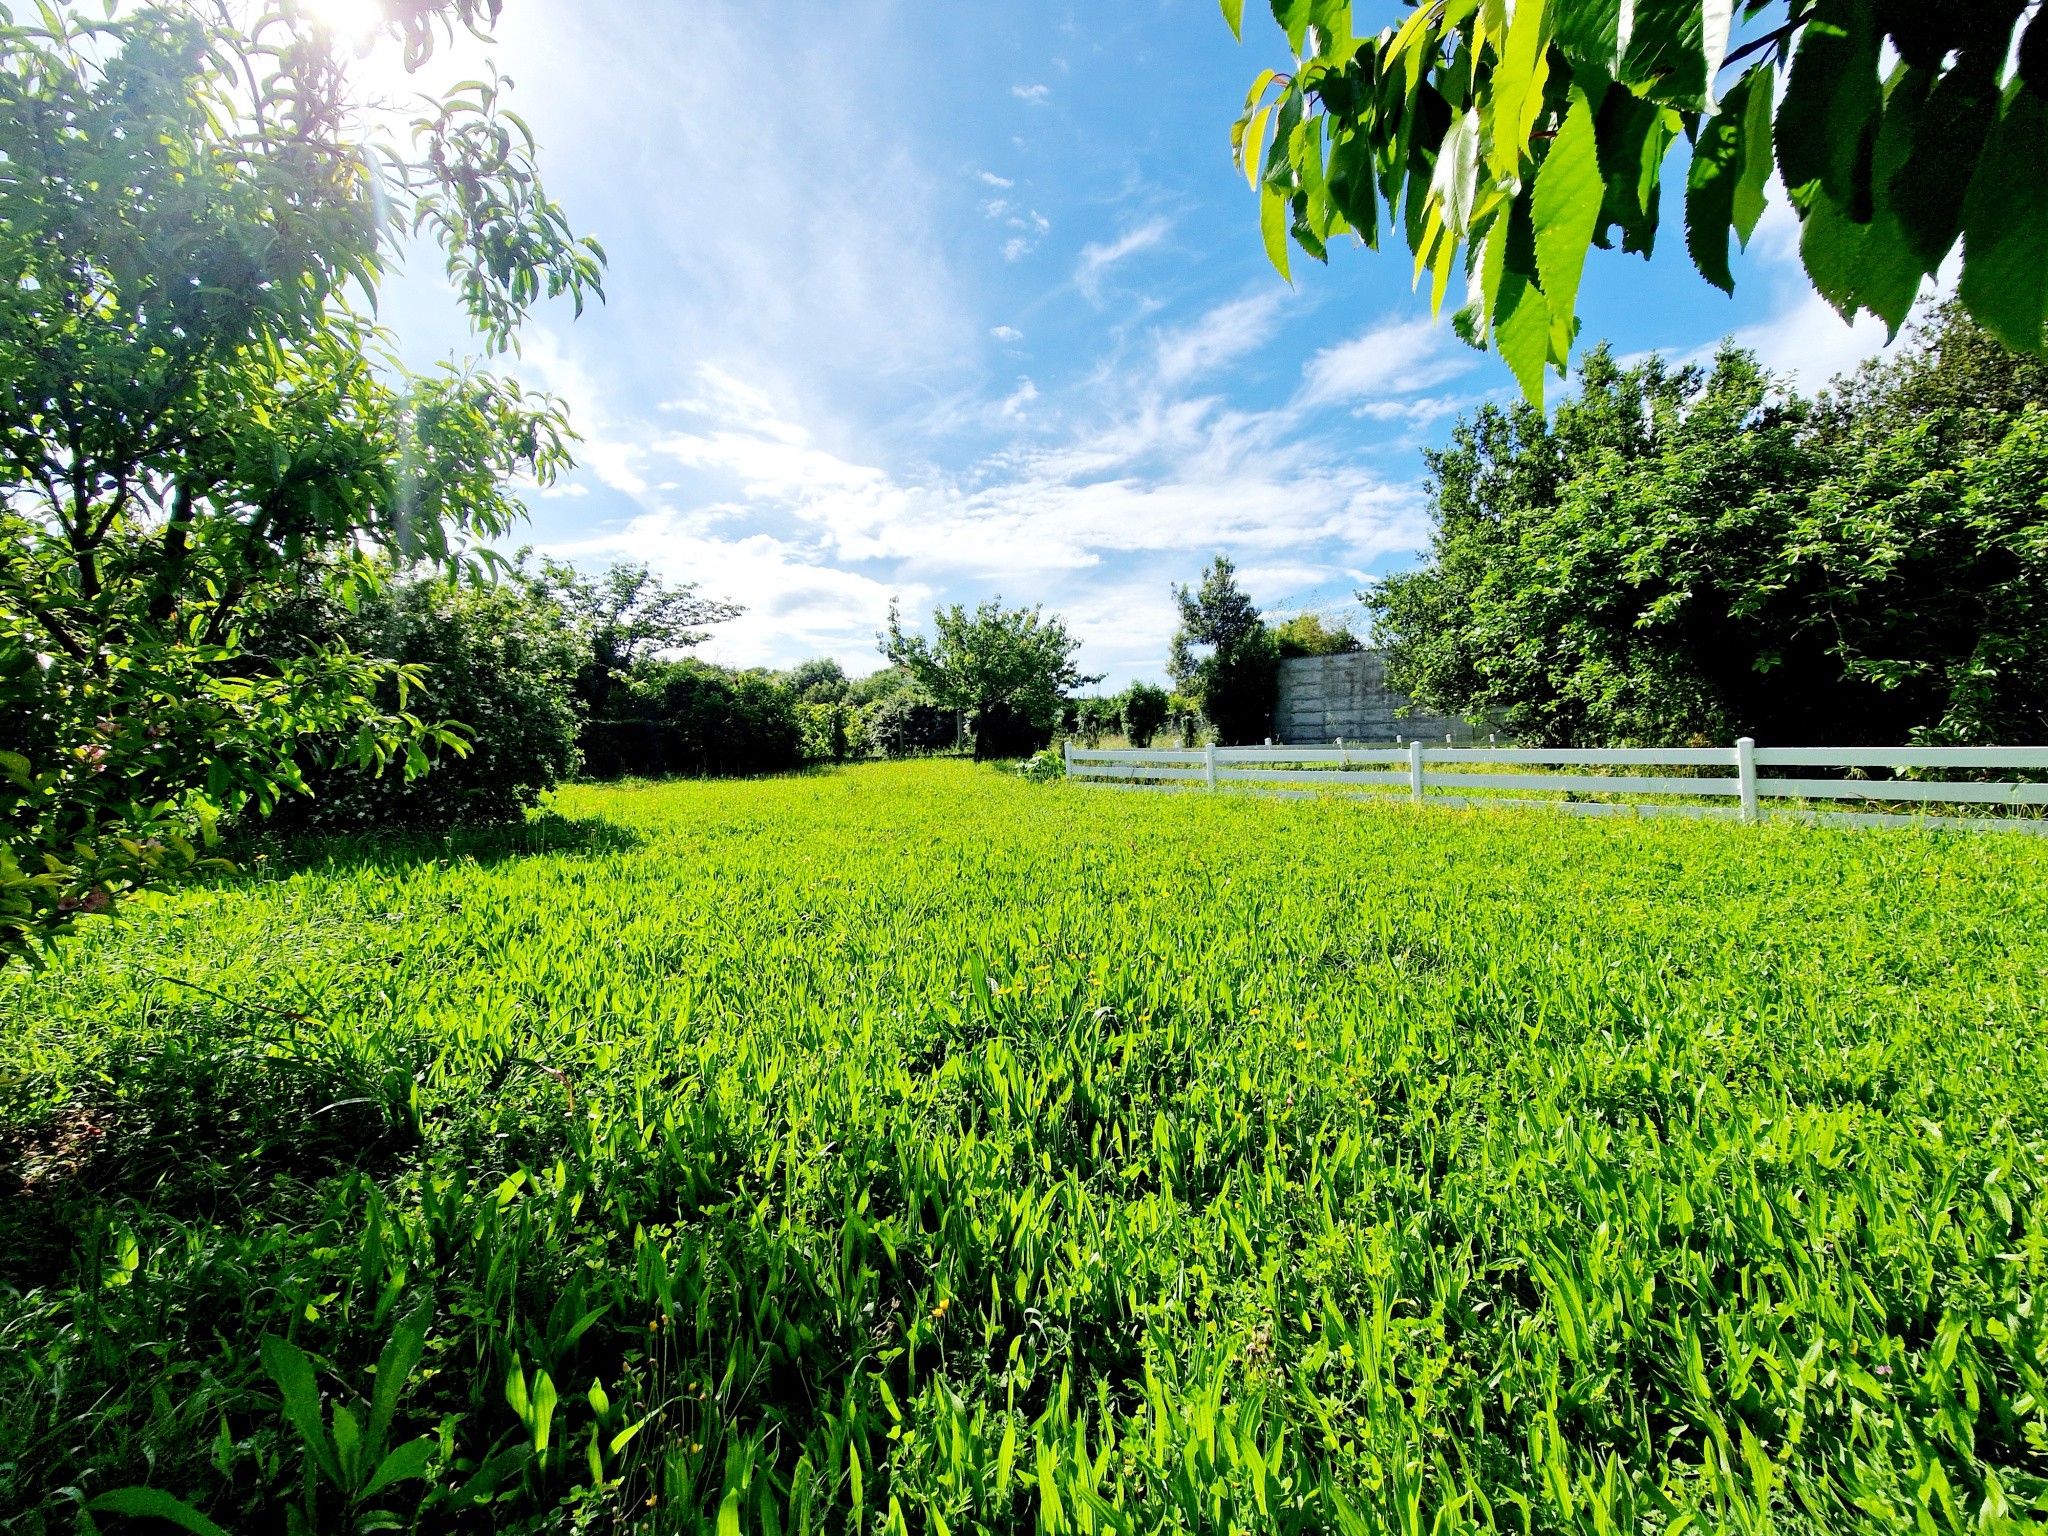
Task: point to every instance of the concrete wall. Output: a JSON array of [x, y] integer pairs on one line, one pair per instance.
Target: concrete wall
[[1325, 697]]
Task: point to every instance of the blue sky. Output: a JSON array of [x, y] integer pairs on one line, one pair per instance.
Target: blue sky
[[939, 301]]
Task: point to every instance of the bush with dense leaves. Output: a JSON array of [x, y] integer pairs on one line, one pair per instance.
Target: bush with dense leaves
[[904, 723], [1702, 553], [499, 663], [689, 717], [1144, 708]]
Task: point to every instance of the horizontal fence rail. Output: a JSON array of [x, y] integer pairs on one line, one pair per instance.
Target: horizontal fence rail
[[1444, 776]]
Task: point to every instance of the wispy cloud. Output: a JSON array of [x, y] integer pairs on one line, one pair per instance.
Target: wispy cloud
[[1395, 357], [1223, 334], [1035, 94], [994, 180], [1098, 258], [1006, 333]]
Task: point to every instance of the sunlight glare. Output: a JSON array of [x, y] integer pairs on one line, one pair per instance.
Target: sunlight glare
[[356, 21]]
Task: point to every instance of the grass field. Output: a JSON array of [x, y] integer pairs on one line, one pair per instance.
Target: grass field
[[913, 1149]]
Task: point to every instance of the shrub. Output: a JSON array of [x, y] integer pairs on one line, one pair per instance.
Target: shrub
[[1145, 707], [824, 731], [689, 717], [500, 662], [904, 723], [1094, 718]]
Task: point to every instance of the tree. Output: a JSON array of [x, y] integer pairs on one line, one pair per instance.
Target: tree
[[1233, 682], [628, 615], [1699, 554], [1010, 668], [194, 432], [1503, 142]]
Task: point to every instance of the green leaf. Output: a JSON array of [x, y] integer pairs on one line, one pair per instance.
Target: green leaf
[[1565, 207], [729, 1513], [1273, 226], [1818, 69], [1588, 33], [1750, 193], [1455, 183], [2005, 226], [1953, 119], [1710, 184], [288, 1366], [154, 1504], [1293, 16], [1520, 66], [394, 1368], [1663, 55], [1233, 16], [407, 1462]]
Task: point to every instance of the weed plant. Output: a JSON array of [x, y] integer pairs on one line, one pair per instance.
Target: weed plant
[[914, 1148]]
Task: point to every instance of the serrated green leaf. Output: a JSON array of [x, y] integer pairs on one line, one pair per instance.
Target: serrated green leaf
[[1662, 54], [1233, 16], [394, 1368], [154, 1504], [1818, 67], [1293, 17], [1710, 183], [1952, 120], [2005, 226], [1587, 34], [1520, 68], [288, 1366], [1565, 206], [1750, 190]]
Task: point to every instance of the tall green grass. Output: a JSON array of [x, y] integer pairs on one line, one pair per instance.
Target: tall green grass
[[909, 1149]]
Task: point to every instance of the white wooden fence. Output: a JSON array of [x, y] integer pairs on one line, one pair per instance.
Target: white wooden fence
[[1445, 776]]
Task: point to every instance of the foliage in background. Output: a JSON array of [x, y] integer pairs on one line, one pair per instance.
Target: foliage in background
[[1009, 669], [193, 431], [1233, 681], [1695, 552], [916, 1149], [689, 717], [500, 662], [627, 616], [1306, 635], [1144, 708], [1501, 142]]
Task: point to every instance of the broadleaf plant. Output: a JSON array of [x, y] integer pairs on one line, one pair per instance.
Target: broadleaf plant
[[1503, 138]]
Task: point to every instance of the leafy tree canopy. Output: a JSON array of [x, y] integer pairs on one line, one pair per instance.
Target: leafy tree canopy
[[1498, 141], [628, 615], [193, 215], [1687, 553], [1016, 660], [1222, 655]]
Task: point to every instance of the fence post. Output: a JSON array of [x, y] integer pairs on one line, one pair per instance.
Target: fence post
[[1066, 755], [1415, 770], [1745, 773], [1209, 765]]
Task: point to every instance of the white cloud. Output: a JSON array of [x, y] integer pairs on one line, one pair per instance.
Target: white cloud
[[1035, 94], [994, 180], [1006, 333], [1223, 334], [1395, 357], [995, 208], [1097, 258], [1016, 248], [1023, 395]]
